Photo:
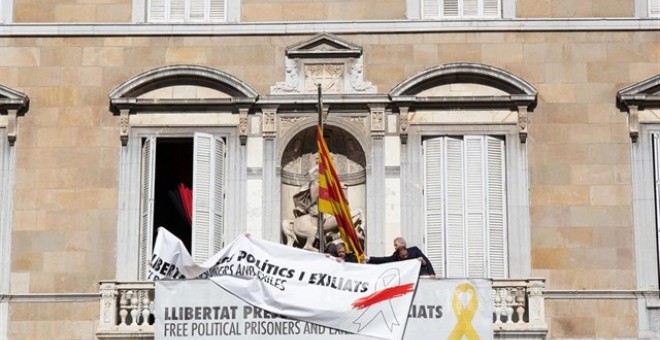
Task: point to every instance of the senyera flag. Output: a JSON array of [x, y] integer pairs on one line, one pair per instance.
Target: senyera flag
[[365, 299], [333, 201]]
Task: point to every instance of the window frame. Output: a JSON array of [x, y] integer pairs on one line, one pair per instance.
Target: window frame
[[518, 242], [139, 15], [128, 257], [6, 11], [484, 142], [414, 11]]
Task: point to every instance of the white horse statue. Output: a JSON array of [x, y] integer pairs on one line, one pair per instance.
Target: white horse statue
[[306, 226]]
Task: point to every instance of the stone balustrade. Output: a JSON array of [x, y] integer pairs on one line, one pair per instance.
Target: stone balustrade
[[126, 309]]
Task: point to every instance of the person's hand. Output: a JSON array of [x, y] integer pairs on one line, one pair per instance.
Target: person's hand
[[421, 260]]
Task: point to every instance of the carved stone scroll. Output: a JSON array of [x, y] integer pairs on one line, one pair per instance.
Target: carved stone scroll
[[124, 127], [522, 123], [633, 122], [243, 124], [403, 124], [12, 123]]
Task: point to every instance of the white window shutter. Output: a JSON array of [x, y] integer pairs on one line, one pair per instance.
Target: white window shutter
[[177, 11], [491, 9], [219, 194], [147, 172], [496, 209], [656, 165], [455, 208], [430, 9], [434, 203], [198, 10], [475, 199], [157, 11], [654, 8], [470, 8], [207, 186], [217, 10], [450, 8]]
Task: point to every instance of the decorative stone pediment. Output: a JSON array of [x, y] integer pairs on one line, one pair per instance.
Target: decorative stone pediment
[[641, 96], [12, 104], [334, 63], [460, 86], [182, 88]]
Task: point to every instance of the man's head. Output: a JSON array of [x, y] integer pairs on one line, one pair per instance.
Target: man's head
[[399, 242], [341, 250], [402, 253]]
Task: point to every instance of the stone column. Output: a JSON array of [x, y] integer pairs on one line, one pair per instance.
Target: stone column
[[271, 185], [375, 220]]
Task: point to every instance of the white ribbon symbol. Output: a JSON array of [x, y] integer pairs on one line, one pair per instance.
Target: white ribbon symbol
[[389, 278]]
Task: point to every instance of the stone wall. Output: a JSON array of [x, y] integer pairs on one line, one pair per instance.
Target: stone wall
[[67, 152]]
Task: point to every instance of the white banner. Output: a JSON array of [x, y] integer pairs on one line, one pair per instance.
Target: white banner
[[366, 299], [198, 309]]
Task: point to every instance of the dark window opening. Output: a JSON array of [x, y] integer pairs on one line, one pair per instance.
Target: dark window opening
[[174, 166]]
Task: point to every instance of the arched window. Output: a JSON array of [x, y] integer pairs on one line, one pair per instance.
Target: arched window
[[465, 127], [179, 126]]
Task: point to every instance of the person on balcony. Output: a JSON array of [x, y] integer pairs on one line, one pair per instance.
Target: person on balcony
[[410, 253]]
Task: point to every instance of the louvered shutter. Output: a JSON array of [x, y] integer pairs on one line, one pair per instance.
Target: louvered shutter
[[217, 10], [654, 8], [177, 11], [455, 208], [491, 8], [450, 8], [496, 208], [434, 203], [197, 10], [430, 9], [207, 204], [157, 11], [475, 188], [470, 8], [147, 172], [219, 194], [656, 165]]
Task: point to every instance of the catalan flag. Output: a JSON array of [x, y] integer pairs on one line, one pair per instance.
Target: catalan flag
[[333, 201]]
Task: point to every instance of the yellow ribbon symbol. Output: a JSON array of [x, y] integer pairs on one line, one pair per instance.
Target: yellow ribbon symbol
[[464, 314]]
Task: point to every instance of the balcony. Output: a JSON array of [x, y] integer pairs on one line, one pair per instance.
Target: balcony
[[518, 313]]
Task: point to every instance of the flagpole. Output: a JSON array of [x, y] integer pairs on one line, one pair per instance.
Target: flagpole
[[320, 214]]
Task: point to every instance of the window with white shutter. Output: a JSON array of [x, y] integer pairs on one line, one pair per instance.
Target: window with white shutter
[[655, 137], [464, 196], [458, 9], [167, 166], [654, 8], [186, 11]]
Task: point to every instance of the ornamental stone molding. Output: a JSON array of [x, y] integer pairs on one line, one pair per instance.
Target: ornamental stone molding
[[641, 96], [12, 104], [324, 59], [127, 99], [517, 95]]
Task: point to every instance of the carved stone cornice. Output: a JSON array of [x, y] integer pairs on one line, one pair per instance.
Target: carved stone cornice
[[127, 99], [13, 104], [637, 97]]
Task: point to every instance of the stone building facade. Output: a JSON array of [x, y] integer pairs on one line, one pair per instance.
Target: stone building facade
[[543, 117]]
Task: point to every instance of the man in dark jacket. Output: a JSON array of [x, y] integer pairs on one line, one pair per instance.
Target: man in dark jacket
[[411, 253], [342, 256]]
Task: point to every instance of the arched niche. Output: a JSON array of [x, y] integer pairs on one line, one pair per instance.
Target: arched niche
[[298, 158]]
